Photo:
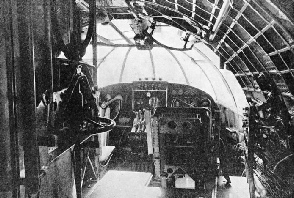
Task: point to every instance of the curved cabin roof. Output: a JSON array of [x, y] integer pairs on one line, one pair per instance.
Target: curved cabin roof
[[253, 38], [198, 67]]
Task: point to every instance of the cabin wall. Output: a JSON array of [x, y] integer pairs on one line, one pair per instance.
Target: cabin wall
[[59, 179], [25, 73], [5, 66]]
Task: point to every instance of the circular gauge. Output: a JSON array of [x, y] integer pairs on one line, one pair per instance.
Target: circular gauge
[[181, 91], [205, 102], [195, 102], [174, 92]]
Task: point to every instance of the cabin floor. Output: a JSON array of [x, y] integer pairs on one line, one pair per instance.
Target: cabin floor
[[129, 175], [127, 184]]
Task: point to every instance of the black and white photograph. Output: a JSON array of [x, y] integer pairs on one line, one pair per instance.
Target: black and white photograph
[[146, 99]]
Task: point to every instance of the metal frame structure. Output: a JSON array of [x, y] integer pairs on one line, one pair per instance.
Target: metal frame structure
[[253, 37]]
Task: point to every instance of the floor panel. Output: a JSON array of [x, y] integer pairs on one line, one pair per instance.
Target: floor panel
[[122, 184], [127, 184], [238, 189]]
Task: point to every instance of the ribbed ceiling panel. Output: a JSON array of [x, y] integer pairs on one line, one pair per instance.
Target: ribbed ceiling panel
[[254, 36]]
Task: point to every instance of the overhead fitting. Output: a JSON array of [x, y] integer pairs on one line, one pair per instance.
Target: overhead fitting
[[144, 25]]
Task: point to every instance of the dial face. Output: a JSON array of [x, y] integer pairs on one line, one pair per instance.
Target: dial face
[[195, 102], [181, 91]]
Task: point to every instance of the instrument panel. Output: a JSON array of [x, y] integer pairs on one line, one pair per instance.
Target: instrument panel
[[186, 96], [149, 95], [141, 95], [150, 86]]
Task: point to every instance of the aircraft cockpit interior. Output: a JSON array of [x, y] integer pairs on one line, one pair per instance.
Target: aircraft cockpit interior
[[146, 98], [181, 137]]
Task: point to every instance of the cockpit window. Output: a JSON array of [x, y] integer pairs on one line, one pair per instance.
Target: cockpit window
[[128, 64]]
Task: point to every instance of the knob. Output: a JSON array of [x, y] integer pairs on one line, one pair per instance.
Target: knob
[[172, 124]]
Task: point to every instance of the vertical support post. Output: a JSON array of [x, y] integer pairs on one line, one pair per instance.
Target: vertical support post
[[95, 63], [156, 155], [250, 158], [9, 172], [27, 94], [94, 43], [147, 116], [48, 58], [12, 94], [5, 158]]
